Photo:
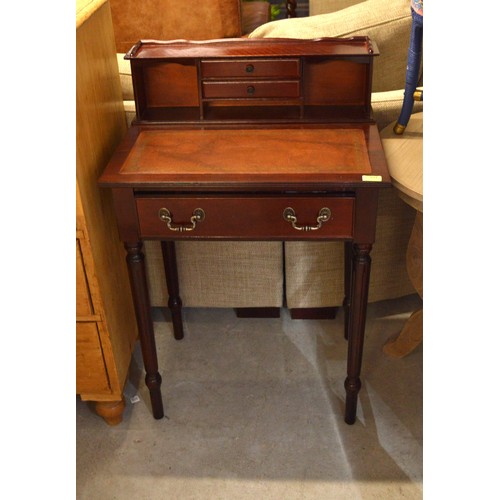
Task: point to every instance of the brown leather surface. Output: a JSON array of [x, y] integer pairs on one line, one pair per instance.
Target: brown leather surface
[[174, 153], [171, 19]]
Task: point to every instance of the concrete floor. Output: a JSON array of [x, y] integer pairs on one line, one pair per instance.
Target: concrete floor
[[255, 411]]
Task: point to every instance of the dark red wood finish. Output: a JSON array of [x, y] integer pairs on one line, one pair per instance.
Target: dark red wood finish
[[257, 312], [313, 313], [251, 68], [202, 140], [246, 217], [178, 81], [174, 299], [140, 295]]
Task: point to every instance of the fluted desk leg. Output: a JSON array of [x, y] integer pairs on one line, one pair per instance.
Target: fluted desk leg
[[140, 295], [347, 286], [357, 319]]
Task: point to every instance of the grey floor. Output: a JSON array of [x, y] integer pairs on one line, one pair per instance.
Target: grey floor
[[255, 411]]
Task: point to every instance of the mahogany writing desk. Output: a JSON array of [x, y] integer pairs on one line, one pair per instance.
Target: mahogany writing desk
[[266, 139]]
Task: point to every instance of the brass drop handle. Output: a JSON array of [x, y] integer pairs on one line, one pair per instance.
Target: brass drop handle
[[165, 216], [323, 215]]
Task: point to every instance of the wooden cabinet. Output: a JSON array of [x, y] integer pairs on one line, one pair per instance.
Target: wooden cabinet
[[106, 331]]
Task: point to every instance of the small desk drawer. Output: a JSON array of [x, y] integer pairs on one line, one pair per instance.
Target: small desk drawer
[[251, 89], [245, 217], [246, 68]]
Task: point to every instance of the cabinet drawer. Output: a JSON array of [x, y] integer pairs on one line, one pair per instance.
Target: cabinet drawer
[[91, 374], [251, 89], [246, 217], [243, 68]]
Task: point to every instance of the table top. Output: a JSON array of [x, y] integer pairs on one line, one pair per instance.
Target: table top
[[404, 154], [238, 159]]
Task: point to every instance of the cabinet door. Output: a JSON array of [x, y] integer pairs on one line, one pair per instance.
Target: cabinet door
[[91, 376]]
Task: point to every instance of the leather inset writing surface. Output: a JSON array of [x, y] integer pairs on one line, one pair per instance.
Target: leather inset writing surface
[[251, 151]]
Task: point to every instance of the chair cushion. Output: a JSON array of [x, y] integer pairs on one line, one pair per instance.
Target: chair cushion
[[317, 7], [386, 22]]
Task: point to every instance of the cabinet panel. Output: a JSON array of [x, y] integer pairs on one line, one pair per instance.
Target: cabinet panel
[[90, 368], [336, 82], [83, 298], [170, 85]]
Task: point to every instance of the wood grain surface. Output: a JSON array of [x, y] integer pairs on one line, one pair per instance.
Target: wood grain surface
[[292, 151]]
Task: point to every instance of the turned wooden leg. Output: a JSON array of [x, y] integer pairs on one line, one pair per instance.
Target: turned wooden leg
[[357, 319], [111, 411], [140, 295], [411, 334], [347, 285], [174, 300]]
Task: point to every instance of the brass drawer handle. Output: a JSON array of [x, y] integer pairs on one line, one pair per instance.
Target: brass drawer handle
[[249, 68], [251, 90], [165, 216], [323, 215]]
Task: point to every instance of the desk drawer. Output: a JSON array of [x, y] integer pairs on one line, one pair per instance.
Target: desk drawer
[[246, 217], [251, 89], [248, 68]]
